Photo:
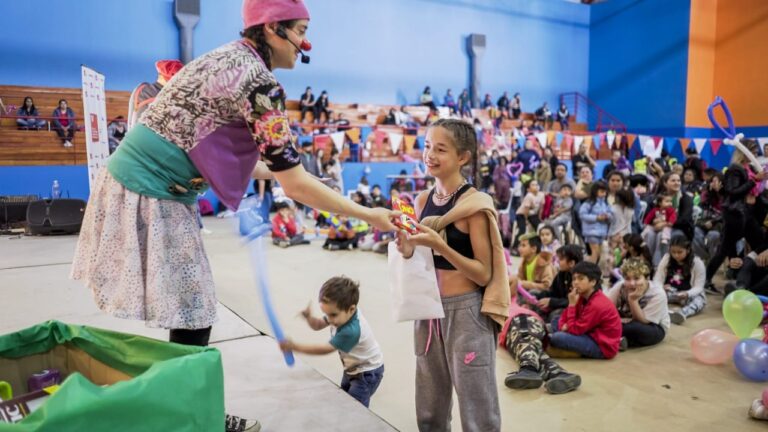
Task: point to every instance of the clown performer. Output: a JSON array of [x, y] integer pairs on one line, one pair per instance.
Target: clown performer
[[140, 250], [145, 93]]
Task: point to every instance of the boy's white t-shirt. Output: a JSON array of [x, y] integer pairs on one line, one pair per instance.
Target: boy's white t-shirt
[[357, 346]]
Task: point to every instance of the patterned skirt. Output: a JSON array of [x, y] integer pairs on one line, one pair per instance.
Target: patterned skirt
[[143, 258]]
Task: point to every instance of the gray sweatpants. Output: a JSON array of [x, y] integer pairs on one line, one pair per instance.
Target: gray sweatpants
[[458, 351]]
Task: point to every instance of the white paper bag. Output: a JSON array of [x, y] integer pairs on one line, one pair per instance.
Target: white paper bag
[[413, 282]]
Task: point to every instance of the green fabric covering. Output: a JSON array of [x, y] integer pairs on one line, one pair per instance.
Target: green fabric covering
[[149, 165], [175, 387]]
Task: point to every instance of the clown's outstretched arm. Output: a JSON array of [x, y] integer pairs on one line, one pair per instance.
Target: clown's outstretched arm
[[304, 188]]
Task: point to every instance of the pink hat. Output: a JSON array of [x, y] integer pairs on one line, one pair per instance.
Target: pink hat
[[257, 12]]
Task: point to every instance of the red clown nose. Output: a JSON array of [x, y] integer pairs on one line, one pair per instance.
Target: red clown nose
[[305, 45]]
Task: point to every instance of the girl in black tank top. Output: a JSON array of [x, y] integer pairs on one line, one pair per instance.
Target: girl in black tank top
[[456, 239], [465, 337]]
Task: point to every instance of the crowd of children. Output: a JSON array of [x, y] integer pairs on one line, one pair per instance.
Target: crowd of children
[[605, 265]]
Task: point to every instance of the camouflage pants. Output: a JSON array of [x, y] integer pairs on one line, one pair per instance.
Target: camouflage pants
[[525, 341]]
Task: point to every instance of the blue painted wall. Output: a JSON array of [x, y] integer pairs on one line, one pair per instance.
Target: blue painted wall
[[364, 51], [638, 63]]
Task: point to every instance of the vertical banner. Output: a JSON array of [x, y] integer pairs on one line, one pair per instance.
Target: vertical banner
[[95, 122]]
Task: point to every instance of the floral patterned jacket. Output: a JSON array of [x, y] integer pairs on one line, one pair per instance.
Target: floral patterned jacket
[[226, 110]]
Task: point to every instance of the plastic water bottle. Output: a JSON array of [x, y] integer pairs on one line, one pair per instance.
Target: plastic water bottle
[[55, 190]]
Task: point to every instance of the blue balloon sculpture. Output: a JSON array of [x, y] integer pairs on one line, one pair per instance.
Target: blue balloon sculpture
[[751, 359], [252, 229]]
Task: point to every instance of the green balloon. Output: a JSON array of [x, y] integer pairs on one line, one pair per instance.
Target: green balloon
[[743, 311]]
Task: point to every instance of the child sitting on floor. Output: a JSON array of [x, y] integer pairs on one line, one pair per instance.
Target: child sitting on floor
[[590, 326], [683, 275], [536, 272], [550, 243], [553, 302], [284, 230], [350, 336], [523, 336], [642, 306], [341, 234]]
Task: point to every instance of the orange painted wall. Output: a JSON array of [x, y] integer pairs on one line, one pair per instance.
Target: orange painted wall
[[701, 62], [734, 65]]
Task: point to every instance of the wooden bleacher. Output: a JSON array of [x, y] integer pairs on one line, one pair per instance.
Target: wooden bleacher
[[43, 147], [20, 147]]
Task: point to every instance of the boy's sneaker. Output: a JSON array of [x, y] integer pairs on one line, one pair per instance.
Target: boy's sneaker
[[677, 317], [333, 247], [523, 379], [237, 424], [563, 383], [283, 244], [623, 344]]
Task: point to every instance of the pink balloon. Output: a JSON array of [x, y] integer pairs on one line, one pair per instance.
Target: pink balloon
[[765, 397], [713, 346]]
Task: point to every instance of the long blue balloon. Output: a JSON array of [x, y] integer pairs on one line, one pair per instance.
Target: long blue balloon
[[252, 229], [731, 132]]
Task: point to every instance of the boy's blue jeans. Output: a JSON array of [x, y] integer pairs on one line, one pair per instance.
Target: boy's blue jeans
[[582, 344], [363, 385]]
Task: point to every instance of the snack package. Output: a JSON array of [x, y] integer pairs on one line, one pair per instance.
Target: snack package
[[14, 410], [407, 220]]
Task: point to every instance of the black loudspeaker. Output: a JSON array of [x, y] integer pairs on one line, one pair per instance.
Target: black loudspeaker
[[58, 216], [13, 208]]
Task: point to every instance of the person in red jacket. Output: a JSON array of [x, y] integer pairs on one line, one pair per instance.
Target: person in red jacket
[[590, 326], [284, 230]]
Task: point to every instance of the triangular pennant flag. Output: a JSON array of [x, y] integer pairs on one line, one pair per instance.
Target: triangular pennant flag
[[395, 139], [648, 146], [577, 141], [521, 141], [353, 135], [569, 143], [659, 147], [715, 144], [610, 138], [699, 143], [588, 142], [409, 141], [550, 137], [542, 137], [685, 143], [379, 137], [338, 140], [558, 139], [597, 139], [643, 139], [763, 142]]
